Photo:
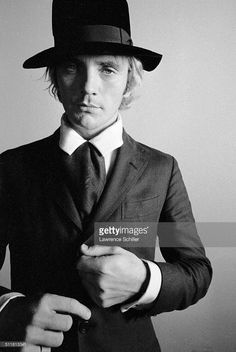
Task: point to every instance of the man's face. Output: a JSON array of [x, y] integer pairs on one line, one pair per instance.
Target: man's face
[[91, 89]]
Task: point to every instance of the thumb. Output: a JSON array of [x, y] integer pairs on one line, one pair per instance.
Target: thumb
[[97, 251]]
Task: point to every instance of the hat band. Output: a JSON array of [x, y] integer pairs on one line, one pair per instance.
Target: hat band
[[94, 33]]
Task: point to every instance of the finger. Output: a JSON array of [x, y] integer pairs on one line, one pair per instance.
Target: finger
[[103, 297], [105, 302], [69, 305], [52, 321], [60, 322], [33, 348], [38, 336], [30, 348], [110, 302], [93, 265], [96, 251]]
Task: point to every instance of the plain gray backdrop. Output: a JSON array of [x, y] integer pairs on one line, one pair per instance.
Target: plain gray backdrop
[[186, 108]]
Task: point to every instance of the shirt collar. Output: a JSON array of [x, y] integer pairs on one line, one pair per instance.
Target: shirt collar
[[107, 141]]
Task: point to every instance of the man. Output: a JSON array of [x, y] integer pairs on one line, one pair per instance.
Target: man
[[67, 293]]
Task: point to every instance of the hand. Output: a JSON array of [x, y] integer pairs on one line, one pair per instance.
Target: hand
[[111, 275], [47, 325]]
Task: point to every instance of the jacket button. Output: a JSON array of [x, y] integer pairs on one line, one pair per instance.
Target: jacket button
[[84, 327]]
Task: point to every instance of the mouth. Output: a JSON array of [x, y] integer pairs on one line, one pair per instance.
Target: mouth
[[84, 106]]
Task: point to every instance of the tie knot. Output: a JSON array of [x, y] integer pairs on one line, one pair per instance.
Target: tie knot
[[87, 153]]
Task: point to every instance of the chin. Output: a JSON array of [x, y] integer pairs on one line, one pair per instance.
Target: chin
[[87, 122], [81, 118]]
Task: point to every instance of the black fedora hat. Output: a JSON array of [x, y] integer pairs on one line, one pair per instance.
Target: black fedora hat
[[91, 27]]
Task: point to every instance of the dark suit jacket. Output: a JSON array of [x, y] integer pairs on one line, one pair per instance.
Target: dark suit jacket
[[39, 220]]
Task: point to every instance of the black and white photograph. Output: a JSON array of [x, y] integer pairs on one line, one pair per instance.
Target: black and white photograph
[[117, 176]]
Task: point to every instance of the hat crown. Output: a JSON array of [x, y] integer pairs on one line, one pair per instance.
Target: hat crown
[[67, 15], [91, 27]]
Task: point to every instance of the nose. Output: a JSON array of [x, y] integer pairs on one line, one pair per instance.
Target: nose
[[89, 82]]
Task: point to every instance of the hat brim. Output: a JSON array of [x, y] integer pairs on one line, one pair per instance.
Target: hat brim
[[55, 55]]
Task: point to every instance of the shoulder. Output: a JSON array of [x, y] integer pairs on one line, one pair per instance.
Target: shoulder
[[36, 147], [27, 155], [155, 156]]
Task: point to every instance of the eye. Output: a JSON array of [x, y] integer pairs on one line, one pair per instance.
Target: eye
[[70, 67], [108, 70]]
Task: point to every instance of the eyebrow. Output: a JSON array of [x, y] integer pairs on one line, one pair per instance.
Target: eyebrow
[[99, 61], [109, 63]]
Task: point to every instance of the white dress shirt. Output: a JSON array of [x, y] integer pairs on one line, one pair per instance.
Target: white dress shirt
[[107, 142]]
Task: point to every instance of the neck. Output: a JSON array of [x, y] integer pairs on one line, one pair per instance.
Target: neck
[[91, 133]]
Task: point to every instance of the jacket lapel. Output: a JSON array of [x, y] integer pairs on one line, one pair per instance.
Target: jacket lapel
[[130, 163]]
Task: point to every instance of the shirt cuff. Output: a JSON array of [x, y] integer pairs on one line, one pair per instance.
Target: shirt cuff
[[5, 299], [152, 290]]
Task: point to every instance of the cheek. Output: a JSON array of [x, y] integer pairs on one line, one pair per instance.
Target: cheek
[[116, 92], [66, 88]]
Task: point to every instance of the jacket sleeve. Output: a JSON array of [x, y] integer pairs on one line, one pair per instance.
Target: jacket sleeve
[[186, 272], [4, 218]]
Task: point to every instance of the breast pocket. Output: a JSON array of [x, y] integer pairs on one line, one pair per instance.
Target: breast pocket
[[144, 209]]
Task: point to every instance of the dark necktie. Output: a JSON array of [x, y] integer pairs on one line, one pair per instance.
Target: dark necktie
[[87, 175]]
